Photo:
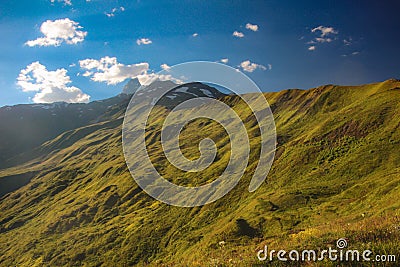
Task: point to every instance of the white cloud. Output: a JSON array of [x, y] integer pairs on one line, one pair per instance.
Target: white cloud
[[144, 41], [355, 53], [165, 67], [224, 60], [323, 40], [108, 70], [87, 73], [59, 31], [195, 34], [146, 79], [66, 2], [325, 30], [252, 27], [238, 34], [51, 86], [114, 11], [269, 66], [250, 67], [348, 41], [324, 36]]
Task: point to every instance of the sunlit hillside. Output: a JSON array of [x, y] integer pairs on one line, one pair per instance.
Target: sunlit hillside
[[336, 175]]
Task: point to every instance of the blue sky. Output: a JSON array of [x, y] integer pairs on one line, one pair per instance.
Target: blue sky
[[286, 44]]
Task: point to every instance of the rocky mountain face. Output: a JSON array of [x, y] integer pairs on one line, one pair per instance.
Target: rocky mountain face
[[68, 198], [179, 93], [131, 87]]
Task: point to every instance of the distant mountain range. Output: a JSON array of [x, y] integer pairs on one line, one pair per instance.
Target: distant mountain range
[[68, 199], [29, 125]]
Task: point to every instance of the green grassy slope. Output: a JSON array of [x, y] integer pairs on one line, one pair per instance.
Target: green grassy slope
[[336, 174]]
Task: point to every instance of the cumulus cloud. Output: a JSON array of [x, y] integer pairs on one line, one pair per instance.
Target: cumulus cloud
[[195, 34], [109, 70], [165, 67], [224, 60], [50, 86], [146, 79], [324, 35], [114, 11], [250, 66], [325, 30], [238, 34], [252, 27], [144, 41], [58, 31]]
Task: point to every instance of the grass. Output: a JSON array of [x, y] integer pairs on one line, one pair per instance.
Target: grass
[[336, 174]]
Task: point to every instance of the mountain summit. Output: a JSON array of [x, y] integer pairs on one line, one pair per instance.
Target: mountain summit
[[131, 87]]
